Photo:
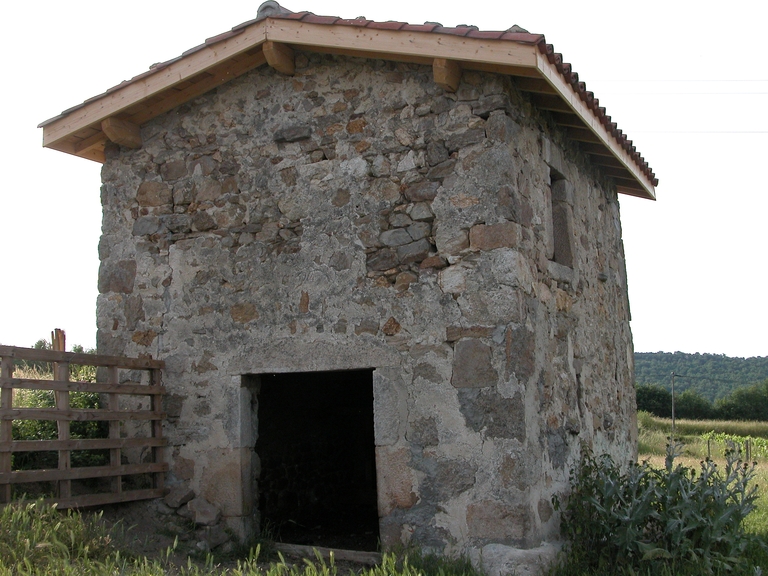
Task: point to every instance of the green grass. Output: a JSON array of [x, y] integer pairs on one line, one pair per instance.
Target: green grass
[[35, 538]]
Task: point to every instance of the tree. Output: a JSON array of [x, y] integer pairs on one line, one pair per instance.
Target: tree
[[654, 399]]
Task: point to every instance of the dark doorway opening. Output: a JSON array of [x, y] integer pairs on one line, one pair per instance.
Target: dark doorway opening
[[318, 470]]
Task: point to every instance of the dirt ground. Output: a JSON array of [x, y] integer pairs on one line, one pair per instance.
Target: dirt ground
[[151, 530]]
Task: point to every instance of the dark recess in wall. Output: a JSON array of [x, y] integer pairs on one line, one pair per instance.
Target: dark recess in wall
[[318, 468]]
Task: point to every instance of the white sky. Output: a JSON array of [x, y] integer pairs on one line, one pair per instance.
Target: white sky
[[685, 80]]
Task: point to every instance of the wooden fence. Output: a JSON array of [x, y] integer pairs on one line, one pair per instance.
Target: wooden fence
[[130, 399]]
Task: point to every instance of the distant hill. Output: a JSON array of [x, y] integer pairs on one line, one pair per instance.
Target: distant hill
[[712, 375]]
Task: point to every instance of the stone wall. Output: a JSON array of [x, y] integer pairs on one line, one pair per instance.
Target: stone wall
[[356, 216]]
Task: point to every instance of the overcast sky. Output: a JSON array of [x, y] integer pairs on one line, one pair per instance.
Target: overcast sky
[[685, 80]]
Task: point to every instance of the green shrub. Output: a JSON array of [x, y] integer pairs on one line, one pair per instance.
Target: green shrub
[[659, 520]]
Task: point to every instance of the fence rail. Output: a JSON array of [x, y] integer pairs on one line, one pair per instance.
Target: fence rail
[[131, 425]]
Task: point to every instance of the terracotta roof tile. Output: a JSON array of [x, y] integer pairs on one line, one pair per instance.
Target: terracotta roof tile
[[523, 37], [223, 36], [390, 25], [485, 35], [310, 18], [295, 15], [426, 27], [514, 34]]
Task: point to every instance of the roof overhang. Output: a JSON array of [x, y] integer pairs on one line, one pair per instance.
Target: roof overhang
[[116, 115]]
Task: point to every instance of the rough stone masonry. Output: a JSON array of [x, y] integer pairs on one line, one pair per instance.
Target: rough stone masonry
[[358, 216]]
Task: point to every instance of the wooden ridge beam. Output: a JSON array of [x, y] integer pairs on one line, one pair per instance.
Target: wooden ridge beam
[[121, 132], [447, 74], [280, 57]]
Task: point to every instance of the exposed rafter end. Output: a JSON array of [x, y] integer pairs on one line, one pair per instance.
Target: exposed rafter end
[[280, 57], [447, 74], [122, 132]]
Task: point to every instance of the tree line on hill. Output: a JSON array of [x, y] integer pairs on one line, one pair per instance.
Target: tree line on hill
[[746, 403], [712, 376]]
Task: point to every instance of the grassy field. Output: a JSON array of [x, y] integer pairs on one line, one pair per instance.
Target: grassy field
[[38, 541], [709, 438]]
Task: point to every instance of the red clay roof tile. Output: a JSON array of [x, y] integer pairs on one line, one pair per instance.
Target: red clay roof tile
[[515, 34]]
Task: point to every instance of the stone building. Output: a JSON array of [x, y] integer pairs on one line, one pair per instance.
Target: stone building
[[383, 264]]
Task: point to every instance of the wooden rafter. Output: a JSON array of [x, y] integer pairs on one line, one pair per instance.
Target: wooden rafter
[[270, 40]]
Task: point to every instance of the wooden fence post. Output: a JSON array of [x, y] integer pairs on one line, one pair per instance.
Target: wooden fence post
[[61, 374], [155, 376], [115, 454], [6, 427]]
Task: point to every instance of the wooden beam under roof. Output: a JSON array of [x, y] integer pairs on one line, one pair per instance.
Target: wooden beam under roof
[[551, 102], [537, 85], [280, 57], [68, 131], [447, 74], [121, 132]]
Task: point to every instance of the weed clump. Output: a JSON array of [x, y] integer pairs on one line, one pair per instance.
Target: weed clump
[[659, 520]]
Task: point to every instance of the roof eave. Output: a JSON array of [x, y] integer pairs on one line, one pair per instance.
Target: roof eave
[[79, 130]]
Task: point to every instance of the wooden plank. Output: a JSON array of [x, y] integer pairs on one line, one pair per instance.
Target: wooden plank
[[447, 74], [6, 428], [632, 191], [19, 353], [121, 132], [594, 124], [370, 558], [128, 389], [583, 135], [81, 444], [61, 373], [383, 43], [72, 415], [595, 149], [536, 85], [550, 102], [280, 57], [355, 53], [86, 144], [116, 101], [509, 70], [606, 161], [86, 500], [158, 452], [175, 97], [81, 473], [114, 431], [616, 171], [568, 120]]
